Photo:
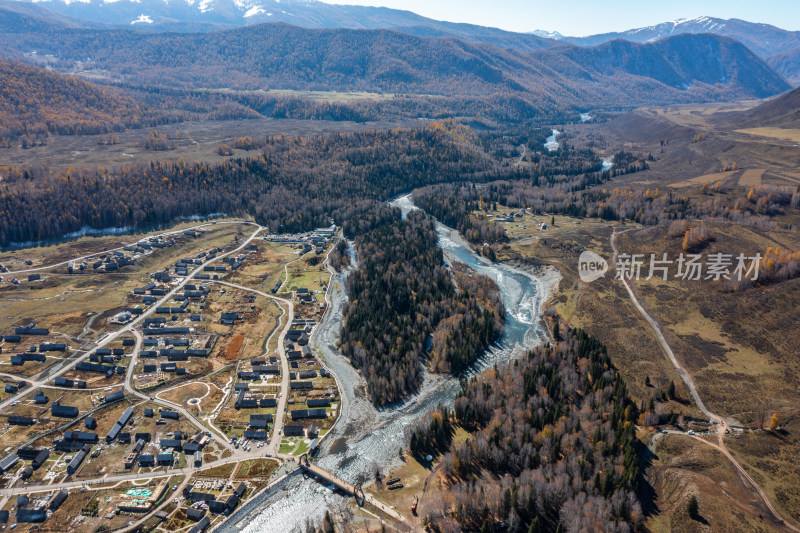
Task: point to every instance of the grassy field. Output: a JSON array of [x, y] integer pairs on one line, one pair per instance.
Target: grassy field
[[252, 332], [256, 468], [740, 348], [221, 471], [302, 274], [205, 396], [601, 307], [705, 179], [265, 267], [751, 177], [680, 469], [771, 459], [692, 144], [736, 344], [776, 133], [198, 141], [294, 445]]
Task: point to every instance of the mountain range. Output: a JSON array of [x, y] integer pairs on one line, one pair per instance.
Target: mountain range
[[354, 48], [290, 57], [779, 48], [209, 15]]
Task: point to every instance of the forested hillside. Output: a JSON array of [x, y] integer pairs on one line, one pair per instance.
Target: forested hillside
[[579, 196], [35, 102], [556, 174], [288, 57], [778, 47], [550, 446], [454, 207], [294, 184], [405, 311]]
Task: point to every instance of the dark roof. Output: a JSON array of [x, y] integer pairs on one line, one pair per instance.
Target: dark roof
[[73, 465], [40, 458], [114, 396], [299, 414], [15, 420], [81, 436], [57, 499], [216, 506], [114, 432], [198, 496], [166, 458], [191, 447], [63, 411], [195, 514], [201, 525], [125, 416], [293, 429], [31, 515], [170, 443]]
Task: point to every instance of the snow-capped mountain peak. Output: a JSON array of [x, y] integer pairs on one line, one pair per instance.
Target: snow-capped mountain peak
[[547, 34]]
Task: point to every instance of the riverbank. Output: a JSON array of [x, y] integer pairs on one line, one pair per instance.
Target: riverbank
[[365, 439]]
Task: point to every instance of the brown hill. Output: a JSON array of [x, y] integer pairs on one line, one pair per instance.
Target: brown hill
[[780, 112], [647, 126], [35, 102]]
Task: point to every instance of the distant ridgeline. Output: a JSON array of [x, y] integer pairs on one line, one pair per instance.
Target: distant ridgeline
[[550, 446], [404, 309]]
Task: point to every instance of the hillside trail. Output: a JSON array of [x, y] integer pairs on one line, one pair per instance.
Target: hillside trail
[[722, 423]]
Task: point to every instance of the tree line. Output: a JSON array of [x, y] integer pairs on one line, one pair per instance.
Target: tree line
[[35, 103], [569, 191], [405, 310], [551, 446], [294, 184]]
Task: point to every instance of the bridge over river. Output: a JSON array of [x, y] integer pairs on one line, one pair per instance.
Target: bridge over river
[[356, 491]]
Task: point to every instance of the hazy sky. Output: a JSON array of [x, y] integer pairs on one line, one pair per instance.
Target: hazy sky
[[585, 17]]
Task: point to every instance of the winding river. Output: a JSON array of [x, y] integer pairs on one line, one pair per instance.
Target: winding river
[[366, 439], [551, 143]]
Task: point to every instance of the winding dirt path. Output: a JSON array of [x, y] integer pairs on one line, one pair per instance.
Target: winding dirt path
[[721, 422], [662, 341]]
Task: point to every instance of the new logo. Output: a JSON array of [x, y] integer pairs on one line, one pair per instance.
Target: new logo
[[591, 266]]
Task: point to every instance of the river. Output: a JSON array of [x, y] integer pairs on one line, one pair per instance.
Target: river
[[551, 143], [88, 231], [366, 439]]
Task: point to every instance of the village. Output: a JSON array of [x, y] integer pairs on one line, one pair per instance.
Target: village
[[159, 384]]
